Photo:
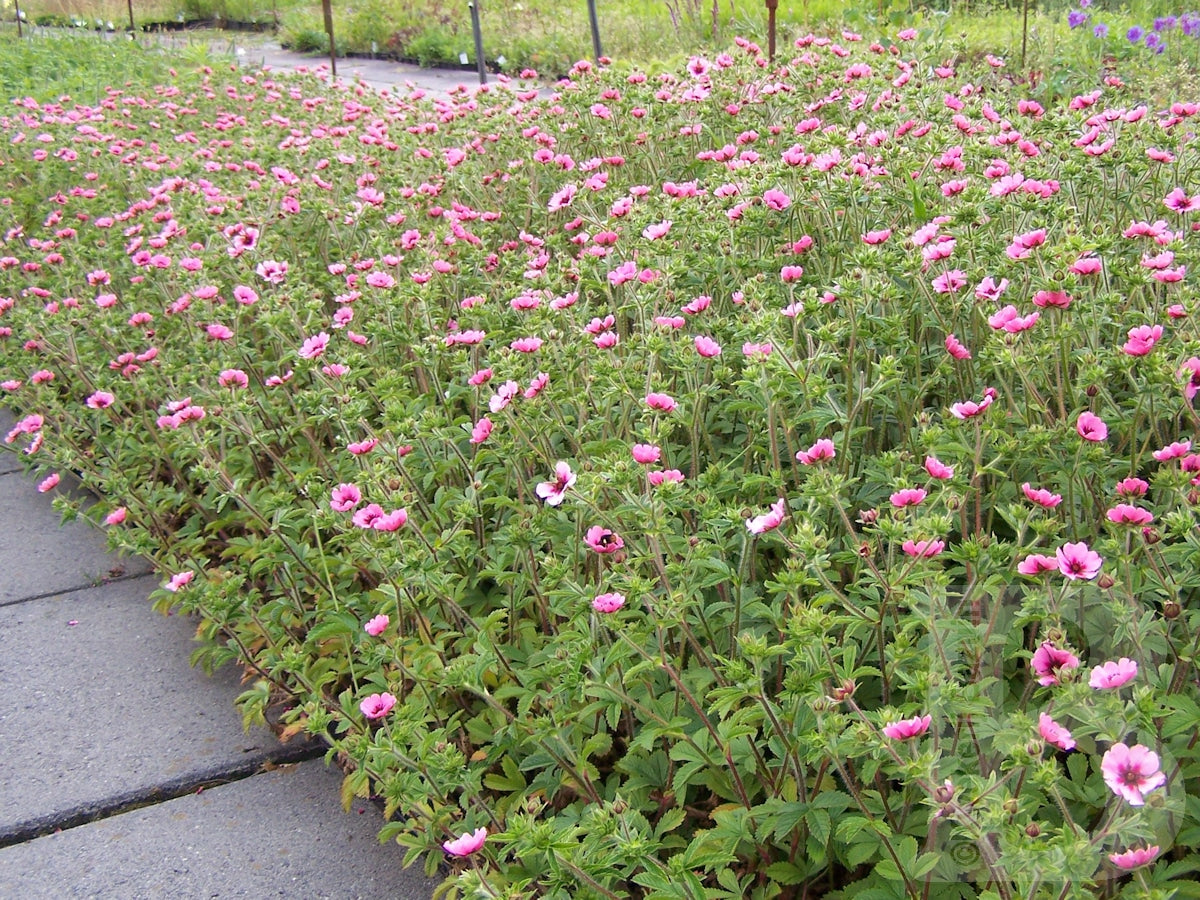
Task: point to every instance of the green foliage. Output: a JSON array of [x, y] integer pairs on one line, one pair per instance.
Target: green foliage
[[571, 464]]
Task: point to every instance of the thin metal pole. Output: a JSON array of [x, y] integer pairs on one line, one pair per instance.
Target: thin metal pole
[[595, 30], [327, 9], [18, 8], [132, 27], [478, 42]]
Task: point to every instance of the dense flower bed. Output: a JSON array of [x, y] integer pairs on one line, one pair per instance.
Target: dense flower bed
[[730, 482]]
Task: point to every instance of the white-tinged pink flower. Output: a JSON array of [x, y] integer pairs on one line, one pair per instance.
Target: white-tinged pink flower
[[179, 580], [100, 400], [603, 540], [1142, 339], [707, 347], [1053, 733], [554, 492], [314, 346], [467, 843], [1113, 674], [907, 729], [359, 448], [365, 517], [1131, 772], [377, 625], [1173, 450], [664, 476], [117, 516], [49, 483], [956, 348], [768, 520], [392, 521]]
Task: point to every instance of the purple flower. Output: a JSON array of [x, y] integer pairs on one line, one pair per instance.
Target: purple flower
[[1134, 34], [1100, 31], [1076, 17]]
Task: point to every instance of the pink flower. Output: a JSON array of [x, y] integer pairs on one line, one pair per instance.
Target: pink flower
[[536, 385], [707, 347], [923, 549], [527, 344], [1132, 487], [1128, 514], [664, 476], [376, 706], [393, 521], [481, 431], [1134, 857], [377, 625], [950, 282], [602, 540], [345, 497], [1191, 369], [877, 237], [179, 580], [661, 402], [646, 454], [769, 520], [788, 274], [314, 346], [1049, 662], [956, 348], [1142, 339], [219, 332], [822, 450], [1041, 496], [1053, 733], [608, 603], [233, 378], [1037, 564], [906, 729], [1113, 674], [49, 483], [366, 517], [1173, 450], [554, 492], [1091, 427], [969, 409], [100, 400], [776, 200], [1077, 561], [116, 517], [358, 448], [467, 843], [757, 351], [937, 469], [1057, 299], [908, 497], [1131, 772]]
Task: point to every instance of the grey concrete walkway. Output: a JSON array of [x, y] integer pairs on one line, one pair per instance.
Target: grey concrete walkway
[[124, 773]]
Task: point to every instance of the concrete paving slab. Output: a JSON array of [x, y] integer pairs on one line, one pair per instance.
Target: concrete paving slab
[[100, 708], [279, 834], [380, 74], [39, 555]]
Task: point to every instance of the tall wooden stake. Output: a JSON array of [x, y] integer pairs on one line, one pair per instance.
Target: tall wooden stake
[[772, 5], [327, 9]]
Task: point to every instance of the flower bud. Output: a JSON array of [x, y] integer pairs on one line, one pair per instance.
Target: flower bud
[[1092, 390], [864, 550], [1193, 497], [1151, 535], [945, 792], [1033, 829], [845, 690], [1171, 609], [1055, 636], [1105, 581], [1034, 748], [868, 516], [1011, 806]]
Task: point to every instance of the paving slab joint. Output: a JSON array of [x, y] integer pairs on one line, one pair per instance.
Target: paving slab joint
[[191, 783]]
